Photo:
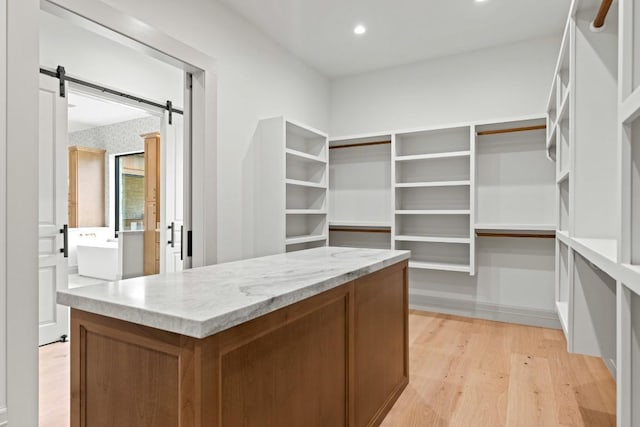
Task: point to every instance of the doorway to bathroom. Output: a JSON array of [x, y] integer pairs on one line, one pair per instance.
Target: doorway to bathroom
[[111, 161]]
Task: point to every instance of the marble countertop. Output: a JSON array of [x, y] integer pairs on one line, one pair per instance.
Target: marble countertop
[[203, 301]]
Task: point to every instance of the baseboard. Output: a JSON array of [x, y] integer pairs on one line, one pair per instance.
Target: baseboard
[[3, 417], [425, 301], [73, 269]]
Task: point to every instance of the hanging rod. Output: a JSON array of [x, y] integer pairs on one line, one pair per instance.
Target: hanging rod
[[61, 75], [525, 235], [598, 22], [510, 130], [360, 230], [362, 144]]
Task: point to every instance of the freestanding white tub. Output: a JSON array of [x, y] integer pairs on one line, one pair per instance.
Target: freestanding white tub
[[98, 259]]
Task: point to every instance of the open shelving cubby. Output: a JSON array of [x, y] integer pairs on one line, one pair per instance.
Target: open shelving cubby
[[360, 193], [515, 182], [291, 176], [593, 312], [306, 180], [433, 205]]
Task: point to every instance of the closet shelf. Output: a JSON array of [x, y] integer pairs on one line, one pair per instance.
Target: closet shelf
[[521, 228], [305, 183], [433, 184], [563, 176], [433, 239], [304, 156], [434, 212], [306, 212], [630, 106], [563, 314], [304, 239], [359, 224], [563, 236], [433, 156], [564, 108], [630, 276], [601, 252], [463, 268]]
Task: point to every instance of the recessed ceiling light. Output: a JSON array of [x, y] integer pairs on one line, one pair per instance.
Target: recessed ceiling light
[[359, 29], [480, 1]]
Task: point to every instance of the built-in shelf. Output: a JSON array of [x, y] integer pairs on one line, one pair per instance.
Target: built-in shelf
[[434, 212], [564, 175], [359, 224], [630, 276], [433, 184], [309, 184], [304, 239], [601, 252], [563, 236], [433, 156], [563, 314], [306, 212], [564, 108], [433, 239], [439, 266], [517, 228], [304, 156]]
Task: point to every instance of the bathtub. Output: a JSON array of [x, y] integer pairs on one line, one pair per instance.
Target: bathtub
[[98, 259]]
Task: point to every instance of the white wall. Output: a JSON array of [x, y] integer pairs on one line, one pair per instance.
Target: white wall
[[20, 235], [95, 58], [3, 223], [256, 79], [506, 81]]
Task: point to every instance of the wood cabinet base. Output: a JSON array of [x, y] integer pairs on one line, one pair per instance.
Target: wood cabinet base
[[337, 359]]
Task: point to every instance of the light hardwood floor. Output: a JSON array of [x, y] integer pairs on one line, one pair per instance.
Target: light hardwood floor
[[464, 372]]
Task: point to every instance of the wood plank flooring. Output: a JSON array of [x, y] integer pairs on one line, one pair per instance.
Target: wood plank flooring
[[464, 372]]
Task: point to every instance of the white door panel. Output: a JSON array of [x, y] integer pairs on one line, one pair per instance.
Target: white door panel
[[171, 199], [54, 319]]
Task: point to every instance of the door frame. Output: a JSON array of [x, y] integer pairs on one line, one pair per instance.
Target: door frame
[[19, 161]]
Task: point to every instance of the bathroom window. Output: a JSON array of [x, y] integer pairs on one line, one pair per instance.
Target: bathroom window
[[129, 192]]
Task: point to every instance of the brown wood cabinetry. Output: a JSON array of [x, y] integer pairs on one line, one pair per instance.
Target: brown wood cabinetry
[[339, 358], [86, 187], [151, 203]]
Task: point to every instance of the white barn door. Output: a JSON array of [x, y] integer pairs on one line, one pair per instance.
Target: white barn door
[[171, 194], [53, 266]]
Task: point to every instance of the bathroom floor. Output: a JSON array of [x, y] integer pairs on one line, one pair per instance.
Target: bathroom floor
[[77, 281]]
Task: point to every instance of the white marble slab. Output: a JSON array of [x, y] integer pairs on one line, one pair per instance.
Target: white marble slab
[[203, 301]]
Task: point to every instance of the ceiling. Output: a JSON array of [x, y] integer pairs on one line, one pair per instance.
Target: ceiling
[[86, 112], [320, 32]]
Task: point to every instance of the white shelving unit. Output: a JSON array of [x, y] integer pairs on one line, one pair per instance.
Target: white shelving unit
[[291, 191], [433, 177], [628, 126], [360, 191], [597, 157]]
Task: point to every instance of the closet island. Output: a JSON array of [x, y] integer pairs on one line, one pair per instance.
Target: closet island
[[316, 337]]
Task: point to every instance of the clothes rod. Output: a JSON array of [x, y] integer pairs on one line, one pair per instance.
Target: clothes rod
[[510, 130], [598, 22], [524, 235], [360, 230], [362, 144], [62, 76]]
